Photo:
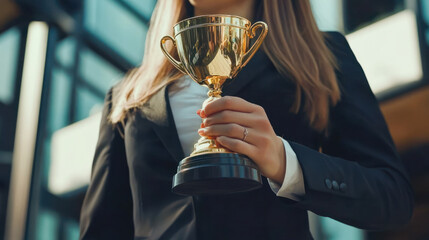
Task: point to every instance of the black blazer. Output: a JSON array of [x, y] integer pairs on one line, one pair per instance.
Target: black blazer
[[358, 179]]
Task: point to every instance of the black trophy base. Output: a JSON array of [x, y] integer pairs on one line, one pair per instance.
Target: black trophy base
[[216, 174]]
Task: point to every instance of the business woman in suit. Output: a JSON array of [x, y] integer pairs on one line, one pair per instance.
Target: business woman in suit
[[301, 109]]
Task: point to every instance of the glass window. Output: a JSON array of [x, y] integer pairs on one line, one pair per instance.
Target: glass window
[[97, 72], [425, 18], [59, 104], [9, 44], [425, 10], [66, 51], [328, 14], [334, 230], [88, 103], [113, 24], [72, 230], [144, 7], [47, 222], [389, 51]]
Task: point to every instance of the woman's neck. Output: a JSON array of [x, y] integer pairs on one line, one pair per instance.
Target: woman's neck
[[243, 9]]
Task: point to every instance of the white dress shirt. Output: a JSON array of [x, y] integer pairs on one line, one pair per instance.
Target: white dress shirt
[[186, 97]]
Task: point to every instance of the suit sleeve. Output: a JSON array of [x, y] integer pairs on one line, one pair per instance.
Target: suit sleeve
[[107, 208], [359, 178]]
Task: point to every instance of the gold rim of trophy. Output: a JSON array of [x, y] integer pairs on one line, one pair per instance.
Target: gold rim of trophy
[[182, 29]]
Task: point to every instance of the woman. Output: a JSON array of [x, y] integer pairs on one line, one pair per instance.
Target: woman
[[302, 92]]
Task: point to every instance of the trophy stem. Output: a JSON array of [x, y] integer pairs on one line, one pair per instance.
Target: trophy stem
[[204, 144]]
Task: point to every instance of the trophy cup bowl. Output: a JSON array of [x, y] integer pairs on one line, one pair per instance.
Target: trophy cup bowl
[[212, 50]]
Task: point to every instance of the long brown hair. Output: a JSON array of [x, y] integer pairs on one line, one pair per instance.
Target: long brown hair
[[294, 44]]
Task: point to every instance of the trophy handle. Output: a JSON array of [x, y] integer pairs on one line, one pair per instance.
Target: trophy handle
[[173, 61], [249, 54]]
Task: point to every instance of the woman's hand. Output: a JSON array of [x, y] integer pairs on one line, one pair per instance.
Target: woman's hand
[[227, 119]]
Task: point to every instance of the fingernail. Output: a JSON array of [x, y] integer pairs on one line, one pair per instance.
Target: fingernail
[[201, 131], [202, 125], [203, 114], [198, 112]]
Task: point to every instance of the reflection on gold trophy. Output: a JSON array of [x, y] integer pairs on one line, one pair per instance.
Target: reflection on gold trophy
[[213, 49]]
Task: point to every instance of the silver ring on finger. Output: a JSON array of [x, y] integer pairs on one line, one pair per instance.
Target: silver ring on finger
[[245, 133]]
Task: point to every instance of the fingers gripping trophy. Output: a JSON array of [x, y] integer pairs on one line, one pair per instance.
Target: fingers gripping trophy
[[213, 49]]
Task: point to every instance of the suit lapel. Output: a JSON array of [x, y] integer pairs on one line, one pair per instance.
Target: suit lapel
[[158, 111], [249, 73]]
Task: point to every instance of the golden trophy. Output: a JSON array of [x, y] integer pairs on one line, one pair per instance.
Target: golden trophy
[[213, 49]]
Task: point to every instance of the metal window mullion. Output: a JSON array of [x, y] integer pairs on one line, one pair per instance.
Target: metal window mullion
[[75, 67], [106, 52]]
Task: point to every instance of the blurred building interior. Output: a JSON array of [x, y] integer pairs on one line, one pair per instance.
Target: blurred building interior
[[58, 58]]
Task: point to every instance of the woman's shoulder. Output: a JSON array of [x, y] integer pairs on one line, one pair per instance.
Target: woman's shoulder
[[350, 74], [343, 53], [114, 91], [339, 45], [334, 35]]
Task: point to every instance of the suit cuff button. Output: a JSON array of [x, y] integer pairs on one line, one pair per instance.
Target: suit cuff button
[[343, 187], [328, 183], [335, 185]]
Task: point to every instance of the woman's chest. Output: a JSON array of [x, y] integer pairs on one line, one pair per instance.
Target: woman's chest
[[151, 138]]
